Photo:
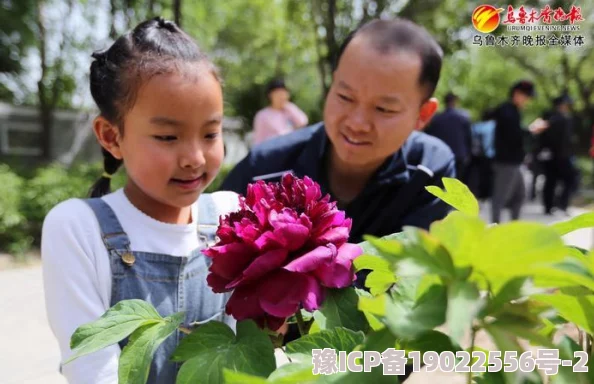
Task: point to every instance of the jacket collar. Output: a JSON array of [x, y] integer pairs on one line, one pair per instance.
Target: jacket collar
[[311, 162]]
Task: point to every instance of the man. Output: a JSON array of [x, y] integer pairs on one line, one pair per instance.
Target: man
[[367, 153], [508, 187], [280, 117], [453, 127], [556, 141]]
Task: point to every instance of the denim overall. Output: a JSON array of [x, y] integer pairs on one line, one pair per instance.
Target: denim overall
[[170, 283]]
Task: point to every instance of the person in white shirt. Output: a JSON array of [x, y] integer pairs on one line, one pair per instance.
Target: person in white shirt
[[161, 111]]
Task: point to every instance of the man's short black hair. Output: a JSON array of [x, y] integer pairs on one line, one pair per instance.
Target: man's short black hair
[[450, 97], [524, 86], [564, 98], [397, 35]]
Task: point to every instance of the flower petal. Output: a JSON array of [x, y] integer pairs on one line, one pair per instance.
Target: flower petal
[[314, 294], [229, 260], [261, 265], [312, 259], [244, 303], [339, 274], [336, 235], [217, 283], [281, 292]]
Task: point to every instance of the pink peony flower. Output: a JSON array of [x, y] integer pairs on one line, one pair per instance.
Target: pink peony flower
[[280, 251]]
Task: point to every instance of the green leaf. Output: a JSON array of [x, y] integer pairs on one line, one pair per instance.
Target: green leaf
[[490, 378], [207, 337], [339, 339], [382, 275], [432, 340], [136, 357], [233, 377], [376, 341], [576, 309], [565, 274], [464, 303], [567, 346], [408, 320], [506, 341], [515, 249], [250, 352], [426, 252], [461, 235], [456, 194], [379, 282], [511, 290], [388, 249], [298, 373], [115, 325], [372, 262], [585, 220], [374, 305], [340, 310]]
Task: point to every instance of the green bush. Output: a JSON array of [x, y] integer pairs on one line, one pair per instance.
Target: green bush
[[13, 238], [54, 184], [25, 203]]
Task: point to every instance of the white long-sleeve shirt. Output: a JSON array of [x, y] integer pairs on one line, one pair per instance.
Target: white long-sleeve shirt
[[77, 274]]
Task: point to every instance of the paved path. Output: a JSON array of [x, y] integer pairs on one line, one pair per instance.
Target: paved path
[[30, 355]]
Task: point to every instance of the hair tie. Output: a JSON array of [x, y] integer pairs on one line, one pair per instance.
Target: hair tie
[[106, 175]]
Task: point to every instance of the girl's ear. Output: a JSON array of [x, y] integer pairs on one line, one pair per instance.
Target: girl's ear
[[108, 136]]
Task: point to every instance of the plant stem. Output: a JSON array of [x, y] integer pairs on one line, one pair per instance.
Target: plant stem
[[300, 323], [185, 330], [472, 337]]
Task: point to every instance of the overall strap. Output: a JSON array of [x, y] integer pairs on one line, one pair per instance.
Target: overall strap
[[112, 233], [208, 219]]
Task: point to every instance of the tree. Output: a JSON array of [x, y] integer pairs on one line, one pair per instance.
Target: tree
[[54, 81], [177, 12], [16, 36]]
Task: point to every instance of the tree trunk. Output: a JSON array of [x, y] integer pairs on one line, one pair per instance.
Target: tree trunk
[[113, 33], [45, 113], [177, 14], [151, 8], [330, 25], [318, 43]]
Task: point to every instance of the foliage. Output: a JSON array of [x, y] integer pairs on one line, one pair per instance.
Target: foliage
[[518, 282], [11, 219], [24, 203]]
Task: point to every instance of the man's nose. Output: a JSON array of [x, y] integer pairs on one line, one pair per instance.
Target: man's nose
[[359, 120]]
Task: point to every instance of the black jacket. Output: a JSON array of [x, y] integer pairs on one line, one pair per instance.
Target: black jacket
[[509, 136], [394, 197]]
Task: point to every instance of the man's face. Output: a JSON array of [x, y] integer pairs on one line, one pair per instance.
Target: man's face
[[521, 99], [374, 104]]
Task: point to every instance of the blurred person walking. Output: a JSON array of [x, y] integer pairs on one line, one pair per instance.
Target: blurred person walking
[[453, 127]]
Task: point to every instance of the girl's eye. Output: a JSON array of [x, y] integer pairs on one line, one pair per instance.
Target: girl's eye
[[345, 98], [212, 136], [165, 138]]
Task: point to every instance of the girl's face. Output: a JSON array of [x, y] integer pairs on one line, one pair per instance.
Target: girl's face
[[172, 146]]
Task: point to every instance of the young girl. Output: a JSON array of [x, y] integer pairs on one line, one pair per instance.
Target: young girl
[[161, 112]]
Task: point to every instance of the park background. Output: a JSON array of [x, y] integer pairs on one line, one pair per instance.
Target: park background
[[48, 152]]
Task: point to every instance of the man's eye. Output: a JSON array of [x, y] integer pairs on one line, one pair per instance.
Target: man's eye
[[345, 98], [165, 138], [384, 110]]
